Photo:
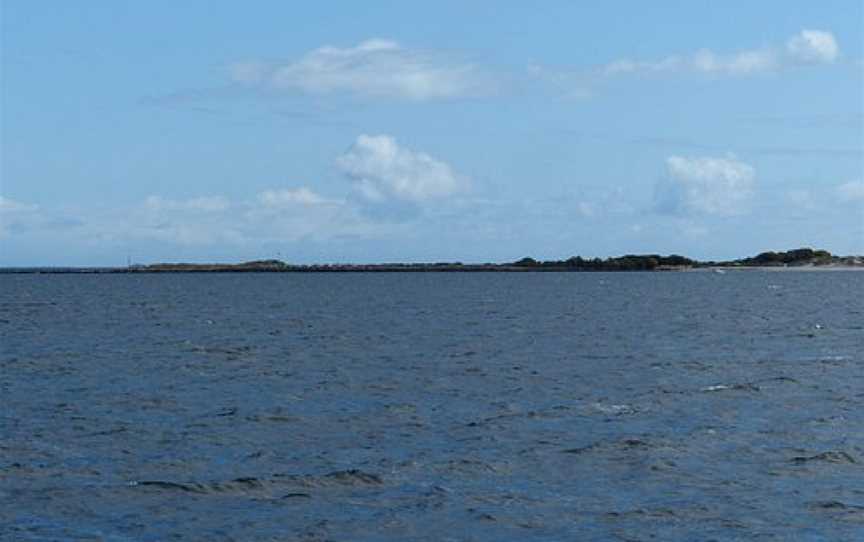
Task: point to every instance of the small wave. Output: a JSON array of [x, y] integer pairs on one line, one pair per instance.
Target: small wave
[[831, 456], [617, 410], [724, 387], [628, 444], [839, 510], [352, 477]]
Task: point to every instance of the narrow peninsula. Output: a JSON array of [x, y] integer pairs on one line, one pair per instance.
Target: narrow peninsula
[[802, 258]]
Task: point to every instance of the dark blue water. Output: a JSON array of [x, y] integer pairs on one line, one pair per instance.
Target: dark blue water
[[487, 407]]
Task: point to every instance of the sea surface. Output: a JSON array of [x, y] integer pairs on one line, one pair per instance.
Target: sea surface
[[432, 406]]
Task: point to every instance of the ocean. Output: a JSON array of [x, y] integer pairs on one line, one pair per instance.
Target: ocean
[[432, 406]]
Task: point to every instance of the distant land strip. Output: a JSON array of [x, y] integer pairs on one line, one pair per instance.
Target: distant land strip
[[798, 258]]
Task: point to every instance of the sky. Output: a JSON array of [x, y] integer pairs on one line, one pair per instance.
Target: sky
[[384, 131]]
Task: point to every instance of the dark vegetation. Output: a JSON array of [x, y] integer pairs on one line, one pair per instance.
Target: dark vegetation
[[792, 257], [652, 262], [802, 257], [630, 262]]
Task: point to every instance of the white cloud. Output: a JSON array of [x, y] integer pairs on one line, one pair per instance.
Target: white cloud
[[704, 61], [181, 231], [705, 185], [290, 197], [376, 68], [383, 170], [276, 215], [813, 47], [806, 47], [743, 63], [206, 204], [271, 216], [201, 220], [853, 191], [626, 65]]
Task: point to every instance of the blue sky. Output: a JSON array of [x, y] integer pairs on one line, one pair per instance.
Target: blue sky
[[470, 131]]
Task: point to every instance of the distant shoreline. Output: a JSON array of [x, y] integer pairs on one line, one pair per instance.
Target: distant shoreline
[[803, 259], [465, 269], [829, 267]]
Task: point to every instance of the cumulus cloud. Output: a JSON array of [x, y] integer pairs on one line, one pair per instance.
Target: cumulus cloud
[[383, 170], [806, 47], [376, 68], [813, 47], [705, 186]]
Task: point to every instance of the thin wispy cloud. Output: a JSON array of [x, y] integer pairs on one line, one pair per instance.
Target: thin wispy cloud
[[9, 207], [288, 197], [206, 204], [808, 47], [375, 68], [16, 215], [704, 61], [817, 197], [284, 214], [277, 216]]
